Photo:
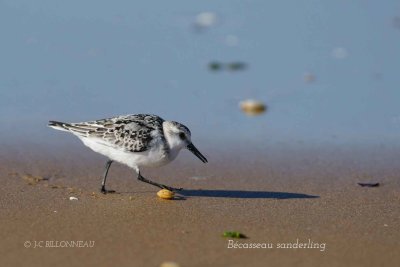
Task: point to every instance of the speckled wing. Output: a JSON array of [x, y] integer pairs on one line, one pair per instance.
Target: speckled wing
[[132, 133]]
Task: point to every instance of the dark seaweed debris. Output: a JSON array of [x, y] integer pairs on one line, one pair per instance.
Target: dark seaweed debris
[[369, 184]]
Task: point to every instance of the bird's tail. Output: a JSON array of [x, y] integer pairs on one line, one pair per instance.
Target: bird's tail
[[62, 126]]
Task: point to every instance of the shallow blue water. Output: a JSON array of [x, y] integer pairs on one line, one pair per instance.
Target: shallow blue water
[[74, 61]]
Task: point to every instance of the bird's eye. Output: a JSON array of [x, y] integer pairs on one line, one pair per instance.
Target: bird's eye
[[182, 136]]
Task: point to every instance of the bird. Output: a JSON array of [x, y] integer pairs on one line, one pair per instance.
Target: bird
[[135, 140]]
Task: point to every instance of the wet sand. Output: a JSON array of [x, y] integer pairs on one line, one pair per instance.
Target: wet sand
[[279, 197]]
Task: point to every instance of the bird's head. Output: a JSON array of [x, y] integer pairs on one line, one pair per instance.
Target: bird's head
[[178, 136]]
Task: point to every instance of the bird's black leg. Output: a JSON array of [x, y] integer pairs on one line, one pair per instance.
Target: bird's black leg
[[103, 184], [141, 178]]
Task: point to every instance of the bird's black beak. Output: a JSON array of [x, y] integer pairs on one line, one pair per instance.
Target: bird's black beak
[[197, 153]]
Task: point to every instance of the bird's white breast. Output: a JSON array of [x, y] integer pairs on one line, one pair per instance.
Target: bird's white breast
[[154, 157]]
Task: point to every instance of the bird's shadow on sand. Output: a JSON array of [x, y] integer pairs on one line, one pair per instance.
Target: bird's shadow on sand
[[242, 194]]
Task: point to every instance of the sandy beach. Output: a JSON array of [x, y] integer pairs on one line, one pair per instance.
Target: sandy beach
[[306, 196]]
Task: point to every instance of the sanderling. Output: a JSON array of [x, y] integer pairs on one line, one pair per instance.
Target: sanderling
[[134, 140]]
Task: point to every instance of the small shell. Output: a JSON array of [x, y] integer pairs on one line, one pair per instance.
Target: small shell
[[165, 194], [73, 198], [169, 264], [252, 107]]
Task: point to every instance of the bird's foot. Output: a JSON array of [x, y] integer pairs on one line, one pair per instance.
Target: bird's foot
[[171, 188], [162, 186], [105, 191]]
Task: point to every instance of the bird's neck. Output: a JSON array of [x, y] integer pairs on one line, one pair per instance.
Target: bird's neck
[[173, 147]]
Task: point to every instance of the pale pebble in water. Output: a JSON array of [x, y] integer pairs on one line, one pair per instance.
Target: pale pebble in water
[[252, 107], [309, 77], [206, 19]]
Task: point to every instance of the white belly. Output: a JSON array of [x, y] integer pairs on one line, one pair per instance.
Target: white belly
[[150, 158]]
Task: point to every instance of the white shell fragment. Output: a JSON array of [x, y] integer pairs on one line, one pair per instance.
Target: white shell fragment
[[206, 19], [73, 198]]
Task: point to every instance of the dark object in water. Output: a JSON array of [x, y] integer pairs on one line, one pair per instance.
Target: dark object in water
[[234, 66], [215, 66], [234, 234], [369, 184]]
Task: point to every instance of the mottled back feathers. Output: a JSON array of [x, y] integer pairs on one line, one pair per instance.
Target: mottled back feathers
[[132, 133]]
